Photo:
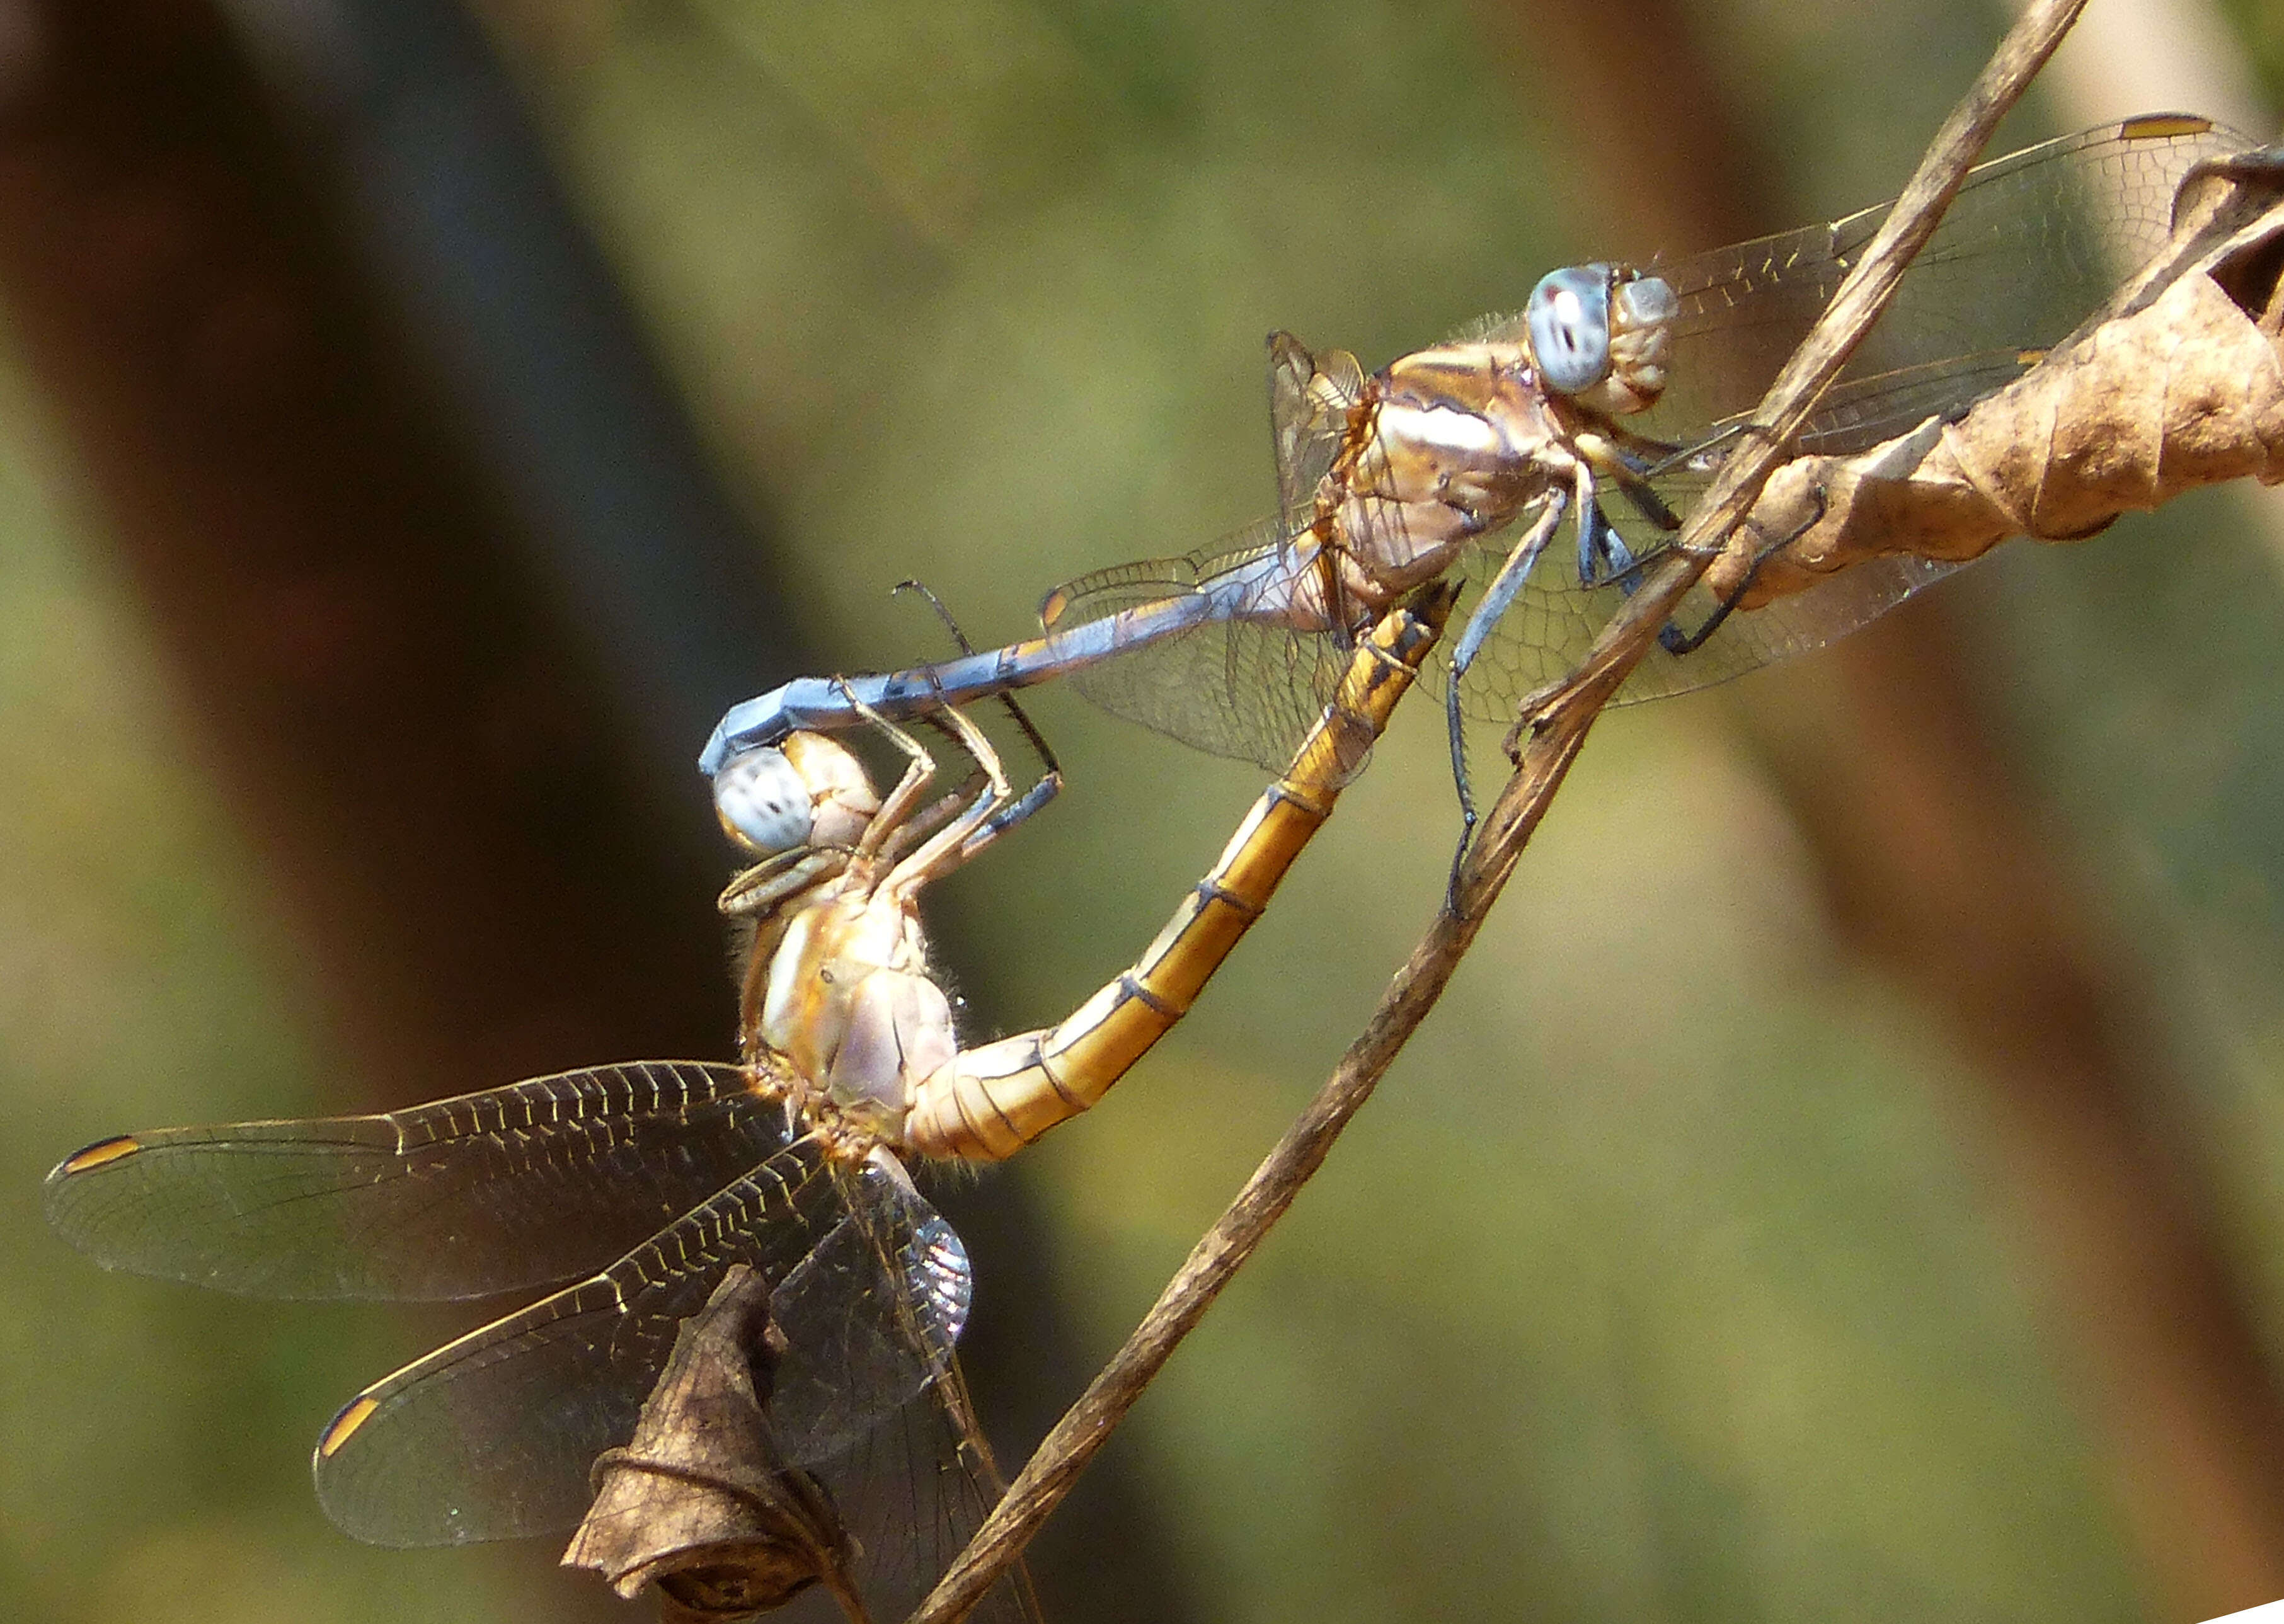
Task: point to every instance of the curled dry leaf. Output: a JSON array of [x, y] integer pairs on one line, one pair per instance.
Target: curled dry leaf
[[2184, 387], [701, 1503]]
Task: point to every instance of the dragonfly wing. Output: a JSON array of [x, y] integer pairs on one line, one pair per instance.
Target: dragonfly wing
[[869, 1315], [538, 1182], [913, 1491], [2033, 242], [1309, 400], [1551, 626], [491, 1437], [869, 1319], [865, 1321], [1240, 683], [2032, 245]]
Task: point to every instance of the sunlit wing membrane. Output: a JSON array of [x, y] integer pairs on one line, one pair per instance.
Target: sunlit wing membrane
[[2033, 243], [1244, 690], [526, 1185], [913, 1491], [492, 1436], [1554, 623]]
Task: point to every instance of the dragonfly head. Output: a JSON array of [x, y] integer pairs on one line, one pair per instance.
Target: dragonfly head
[[807, 792], [1600, 334]]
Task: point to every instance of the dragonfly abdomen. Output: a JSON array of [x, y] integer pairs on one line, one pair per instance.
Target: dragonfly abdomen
[[989, 1102]]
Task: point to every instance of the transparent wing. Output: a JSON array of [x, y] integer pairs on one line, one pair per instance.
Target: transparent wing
[[1309, 400], [492, 1436], [911, 1485], [1247, 689], [2033, 243], [873, 1310], [1548, 629], [913, 1491], [539, 1181]]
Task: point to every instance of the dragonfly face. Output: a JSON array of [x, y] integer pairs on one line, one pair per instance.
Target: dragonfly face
[[1602, 334], [806, 795]]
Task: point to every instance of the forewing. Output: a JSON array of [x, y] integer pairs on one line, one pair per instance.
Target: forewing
[[526, 1185], [2031, 245]]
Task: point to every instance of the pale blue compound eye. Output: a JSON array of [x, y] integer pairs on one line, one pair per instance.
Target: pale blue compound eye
[[762, 803], [1568, 317]]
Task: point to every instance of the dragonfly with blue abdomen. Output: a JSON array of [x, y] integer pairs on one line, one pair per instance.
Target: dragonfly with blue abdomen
[[648, 1184], [1461, 462]]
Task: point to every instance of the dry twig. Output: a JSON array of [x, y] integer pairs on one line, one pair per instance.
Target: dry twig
[[1549, 736]]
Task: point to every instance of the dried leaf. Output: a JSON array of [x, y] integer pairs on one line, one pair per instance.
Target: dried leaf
[[2183, 389], [702, 1504]]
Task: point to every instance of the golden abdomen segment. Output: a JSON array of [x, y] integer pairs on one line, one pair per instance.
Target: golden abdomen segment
[[991, 1102]]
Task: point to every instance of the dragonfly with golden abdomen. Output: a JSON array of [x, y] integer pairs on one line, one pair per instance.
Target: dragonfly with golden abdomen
[[645, 1184]]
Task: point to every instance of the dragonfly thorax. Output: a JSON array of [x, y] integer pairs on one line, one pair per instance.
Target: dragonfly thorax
[[1446, 445], [849, 1003]]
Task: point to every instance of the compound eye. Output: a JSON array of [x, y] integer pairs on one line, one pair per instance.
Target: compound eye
[[764, 804], [1642, 314], [1646, 301], [1568, 317]]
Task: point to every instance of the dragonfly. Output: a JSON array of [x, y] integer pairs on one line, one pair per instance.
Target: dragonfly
[[1462, 461], [645, 1185]]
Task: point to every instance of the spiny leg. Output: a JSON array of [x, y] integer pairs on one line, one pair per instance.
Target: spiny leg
[[1051, 776], [1623, 566], [1672, 638], [919, 772], [969, 833], [1497, 598], [1602, 552]]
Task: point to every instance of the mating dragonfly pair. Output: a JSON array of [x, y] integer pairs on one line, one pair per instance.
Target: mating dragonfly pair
[[650, 1184]]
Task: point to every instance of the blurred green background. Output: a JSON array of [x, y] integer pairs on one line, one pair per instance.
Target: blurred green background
[[1676, 1272]]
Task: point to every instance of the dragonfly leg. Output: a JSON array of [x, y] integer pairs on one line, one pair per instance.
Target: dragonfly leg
[[1604, 559], [969, 833], [1672, 638], [1650, 505], [1683, 457], [1050, 782], [1603, 555], [1497, 598], [1630, 461], [919, 772]]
